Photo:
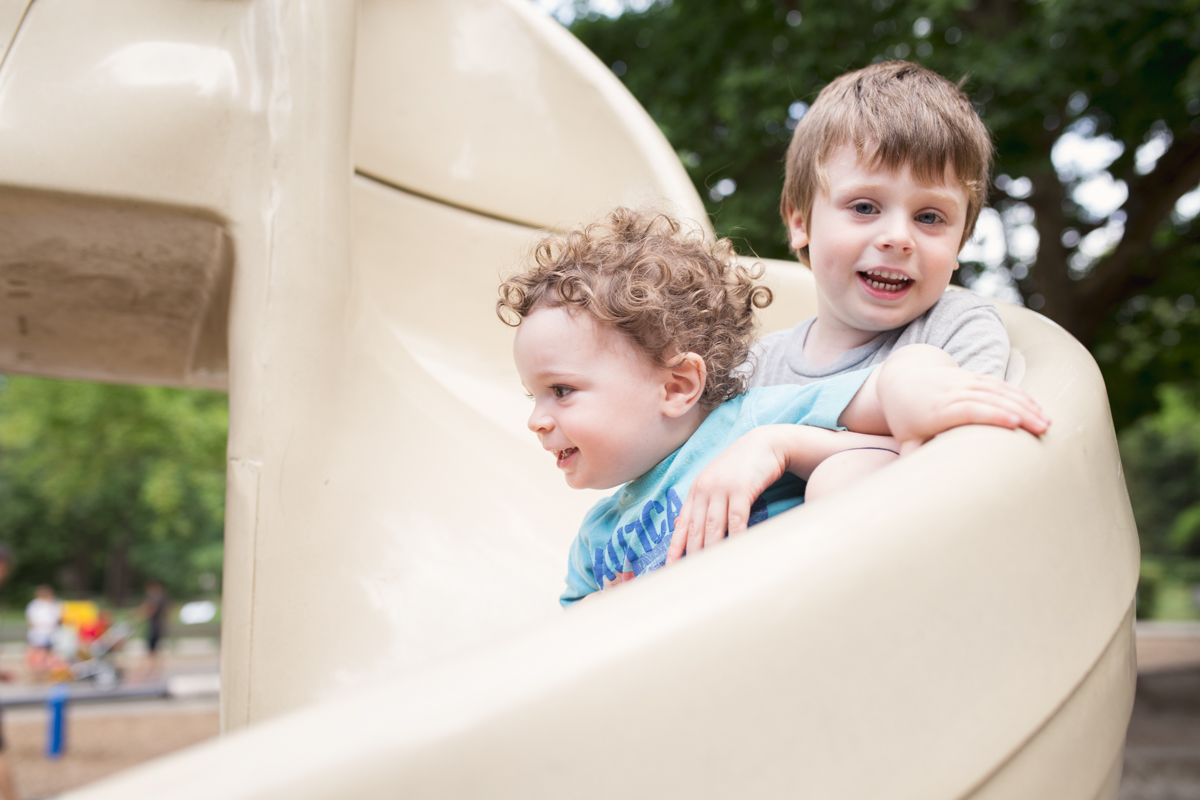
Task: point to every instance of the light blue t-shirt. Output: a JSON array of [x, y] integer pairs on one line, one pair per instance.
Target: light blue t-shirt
[[629, 533]]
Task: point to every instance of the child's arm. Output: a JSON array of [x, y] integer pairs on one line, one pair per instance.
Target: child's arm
[[917, 393], [920, 391], [720, 497]]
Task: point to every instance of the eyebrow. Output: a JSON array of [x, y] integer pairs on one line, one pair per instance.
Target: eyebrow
[[939, 194], [552, 374]]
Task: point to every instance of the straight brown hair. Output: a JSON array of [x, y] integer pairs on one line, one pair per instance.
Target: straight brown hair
[[894, 114]]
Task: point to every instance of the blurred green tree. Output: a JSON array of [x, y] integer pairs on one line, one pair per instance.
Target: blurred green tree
[[102, 486], [1095, 109], [1161, 457]]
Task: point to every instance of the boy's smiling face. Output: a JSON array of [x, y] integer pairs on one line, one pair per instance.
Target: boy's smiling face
[[598, 401], [881, 245]]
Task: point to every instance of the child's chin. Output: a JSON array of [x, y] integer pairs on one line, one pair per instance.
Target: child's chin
[[577, 481], [599, 484]]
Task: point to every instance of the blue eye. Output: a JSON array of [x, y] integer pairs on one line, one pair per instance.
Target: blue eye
[[929, 218], [864, 208]]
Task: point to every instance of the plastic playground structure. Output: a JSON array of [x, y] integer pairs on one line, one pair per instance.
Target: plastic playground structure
[[308, 202]]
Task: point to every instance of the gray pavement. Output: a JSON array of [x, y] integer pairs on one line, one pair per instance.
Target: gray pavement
[[1162, 748]]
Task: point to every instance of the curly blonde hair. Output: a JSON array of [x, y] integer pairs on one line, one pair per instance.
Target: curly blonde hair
[[671, 291]]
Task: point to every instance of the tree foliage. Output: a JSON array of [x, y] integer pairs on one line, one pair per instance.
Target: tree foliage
[[104, 486], [1161, 455], [726, 82]]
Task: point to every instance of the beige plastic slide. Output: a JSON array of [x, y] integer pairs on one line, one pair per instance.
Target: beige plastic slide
[[309, 202]]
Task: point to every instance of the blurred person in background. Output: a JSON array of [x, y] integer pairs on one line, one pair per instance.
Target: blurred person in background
[[154, 611], [43, 616]]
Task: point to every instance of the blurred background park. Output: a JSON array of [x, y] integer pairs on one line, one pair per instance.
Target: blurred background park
[[103, 488]]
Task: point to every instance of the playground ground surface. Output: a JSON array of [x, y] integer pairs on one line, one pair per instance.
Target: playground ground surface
[[1162, 754], [107, 737], [104, 739], [1162, 748]]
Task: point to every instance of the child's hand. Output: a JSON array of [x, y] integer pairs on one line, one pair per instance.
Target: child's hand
[[720, 497], [923, 392]]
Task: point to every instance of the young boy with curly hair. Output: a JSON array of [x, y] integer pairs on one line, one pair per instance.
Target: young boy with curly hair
[[629, 337], [885, 177]]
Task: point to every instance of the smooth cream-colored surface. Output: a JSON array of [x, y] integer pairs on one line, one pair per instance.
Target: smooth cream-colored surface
[[11, 12], [330, 193], [501, 111], [983, 648]]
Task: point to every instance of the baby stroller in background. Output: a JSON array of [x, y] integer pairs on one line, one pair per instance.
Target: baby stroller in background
[[85, 642], [96, 661]]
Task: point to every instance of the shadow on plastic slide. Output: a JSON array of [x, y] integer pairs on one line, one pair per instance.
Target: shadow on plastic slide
[[310, 203]]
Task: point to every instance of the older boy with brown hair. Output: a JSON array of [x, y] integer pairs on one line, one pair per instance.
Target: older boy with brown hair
[[885, 178]]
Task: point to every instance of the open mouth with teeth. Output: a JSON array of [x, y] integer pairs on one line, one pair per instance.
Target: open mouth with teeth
[[564, 455], [885, 281]]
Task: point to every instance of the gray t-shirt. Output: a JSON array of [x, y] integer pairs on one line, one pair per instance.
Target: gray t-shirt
[[963, 324]]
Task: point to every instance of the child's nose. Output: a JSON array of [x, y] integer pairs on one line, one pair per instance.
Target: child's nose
[[539, 422], [896, 236]]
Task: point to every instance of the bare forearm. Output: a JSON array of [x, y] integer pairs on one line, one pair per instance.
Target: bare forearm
[[864, 413], [920, 391], [802, 448], [885, 388]]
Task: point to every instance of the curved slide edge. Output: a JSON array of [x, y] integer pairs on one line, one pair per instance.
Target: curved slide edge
[[572, 141], [854, 649], [1079, 752]]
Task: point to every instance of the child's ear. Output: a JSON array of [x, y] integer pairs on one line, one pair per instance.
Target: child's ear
[[684, 385], [797, 230]]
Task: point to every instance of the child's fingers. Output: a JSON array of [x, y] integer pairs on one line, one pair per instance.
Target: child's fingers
[[1012, 394], [693, 536], [989, 410], [689, 535], [1033, 421], [715, 520], [1013, 412], [714, 516], [1027, 404], [679, 534], [678, 540], [978, 412], [987, 400], [1023, 410], [739, 514]]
